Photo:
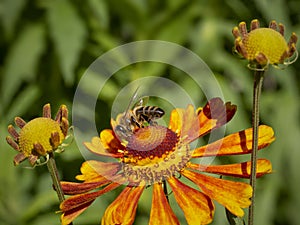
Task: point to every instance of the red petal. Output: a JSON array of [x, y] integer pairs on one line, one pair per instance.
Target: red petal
[[233, 195], [242, 170], [237, 143], [123, 209], [67, 217], [75, 205], [215, 114], [197, 207], [72, 188], [161, 212]]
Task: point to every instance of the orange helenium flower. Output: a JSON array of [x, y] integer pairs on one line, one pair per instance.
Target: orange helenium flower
[[155, 155], [264, 46]]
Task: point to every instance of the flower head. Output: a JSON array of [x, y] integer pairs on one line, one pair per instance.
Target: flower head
[[264, 46], [40, 136], [155, 156]]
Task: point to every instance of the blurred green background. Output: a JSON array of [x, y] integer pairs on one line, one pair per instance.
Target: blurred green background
[[46, 45]]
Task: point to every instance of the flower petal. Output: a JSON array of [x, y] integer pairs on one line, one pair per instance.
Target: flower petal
[[75, 205], [176, 118], [233, 195], [73, 188], [215, 114], [67, 217], [94, 171], [97, 147], [237, 143], [161, 212], [123, 209], [191, 125], [110, 142], [241, 170], [197, 207]]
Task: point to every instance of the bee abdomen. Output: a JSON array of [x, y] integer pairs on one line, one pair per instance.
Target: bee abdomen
[[150, 112]]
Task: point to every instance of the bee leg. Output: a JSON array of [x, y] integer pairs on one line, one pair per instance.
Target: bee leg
[[133, 121], [121, 132], [153, 123]]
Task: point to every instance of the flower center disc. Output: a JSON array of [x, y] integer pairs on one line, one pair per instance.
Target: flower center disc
[[154, 153], [151, 141], [38, 130], [267, 41]]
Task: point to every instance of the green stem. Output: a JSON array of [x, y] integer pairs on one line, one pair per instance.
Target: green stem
[[55, 179], [258, 80]]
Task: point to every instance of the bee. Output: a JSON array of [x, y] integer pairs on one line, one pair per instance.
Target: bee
[[137, 115]]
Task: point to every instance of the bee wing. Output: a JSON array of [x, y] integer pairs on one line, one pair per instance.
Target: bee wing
[[142, 101], [131, 102]]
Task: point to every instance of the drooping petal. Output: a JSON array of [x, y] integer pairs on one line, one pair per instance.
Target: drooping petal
[[197, 207], [123, 209], [214, 115], [75, 205], [191, 125], [95, 171], [20, 157], [241, 170], [233, 195], [161, 212], [237, 143], [97, 147]]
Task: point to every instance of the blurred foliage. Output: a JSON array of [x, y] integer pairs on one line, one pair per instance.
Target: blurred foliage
[[46, 45]]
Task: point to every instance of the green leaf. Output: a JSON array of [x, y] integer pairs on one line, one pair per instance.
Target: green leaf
[[99, 9], [10, 11], [68, 33], [26, 98], [176, 25], [233, 219], [273, 10], [22, 61]]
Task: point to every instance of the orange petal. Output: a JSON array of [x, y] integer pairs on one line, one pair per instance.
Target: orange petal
[[215, 114], [95, 171], [241, 170], [237, 143], [197, 207], [191, 124], [161, 212], [185, 122], [123, 209], [175, 123], [233, 195], [99, 148], [75, 205], [110, 142]]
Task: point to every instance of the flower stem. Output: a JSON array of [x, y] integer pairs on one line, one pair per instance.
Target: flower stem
[[55, 179], [258, 80]]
